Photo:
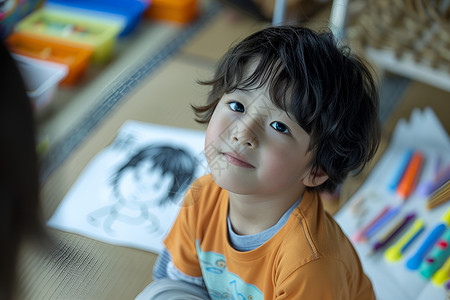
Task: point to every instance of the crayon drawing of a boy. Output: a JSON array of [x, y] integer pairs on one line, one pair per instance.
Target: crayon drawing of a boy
[[155, 177]]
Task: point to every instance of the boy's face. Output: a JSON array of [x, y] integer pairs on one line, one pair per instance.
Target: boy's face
[[254, 147]]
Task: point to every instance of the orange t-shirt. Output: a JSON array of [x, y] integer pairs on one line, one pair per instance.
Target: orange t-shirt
[[308, 258]]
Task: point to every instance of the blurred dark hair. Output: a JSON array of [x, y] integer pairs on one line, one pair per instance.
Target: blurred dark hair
[[19, 184], [171, 160], [330, 92]]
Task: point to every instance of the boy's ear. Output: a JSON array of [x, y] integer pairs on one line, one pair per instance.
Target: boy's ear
[[315, 177]]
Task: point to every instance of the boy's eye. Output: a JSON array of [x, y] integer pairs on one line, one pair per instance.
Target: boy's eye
[[278, 126], [236, 106]]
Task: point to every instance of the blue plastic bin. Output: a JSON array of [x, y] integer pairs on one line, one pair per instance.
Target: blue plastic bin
[[128, 11]]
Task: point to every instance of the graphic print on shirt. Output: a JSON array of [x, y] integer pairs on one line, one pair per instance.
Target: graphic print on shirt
[[221, 283]]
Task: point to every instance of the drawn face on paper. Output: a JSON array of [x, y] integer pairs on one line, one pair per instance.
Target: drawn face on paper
[[144, 184], [156, 175]]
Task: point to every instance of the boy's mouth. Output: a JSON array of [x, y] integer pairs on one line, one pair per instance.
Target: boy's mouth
[[237, 160]]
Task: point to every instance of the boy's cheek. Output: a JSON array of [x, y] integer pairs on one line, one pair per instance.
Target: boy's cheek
[[219, 130], [280, 161], [210, 139]]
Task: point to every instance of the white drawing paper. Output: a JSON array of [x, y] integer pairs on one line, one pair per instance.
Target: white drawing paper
[[130, 193]]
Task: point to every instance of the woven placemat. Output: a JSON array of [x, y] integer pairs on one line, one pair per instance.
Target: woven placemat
[[416, 28]]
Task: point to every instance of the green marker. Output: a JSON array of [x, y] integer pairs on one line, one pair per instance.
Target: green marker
[[437, 256]]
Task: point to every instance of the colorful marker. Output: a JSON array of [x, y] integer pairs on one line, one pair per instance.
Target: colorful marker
[[414, 262], [360, 235], [395, 252], [437, 166], [393, 232], [439, 197], [409, 180], [443, 274], [437, 256], [431, 186], [404, 161], [382, 222]]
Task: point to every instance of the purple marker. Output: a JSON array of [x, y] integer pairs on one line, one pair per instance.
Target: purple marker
[[393, 232], [427, 188]]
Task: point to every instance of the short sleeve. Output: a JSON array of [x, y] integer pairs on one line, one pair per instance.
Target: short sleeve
[[323, 279], [180, 242]]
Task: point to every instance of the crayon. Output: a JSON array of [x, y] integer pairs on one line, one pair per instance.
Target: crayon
[[440, 196], [409, 180], [393, 232], [437, 166], [431, 186], [414, 262], [382, 221], [360, 235], [404, 161], [443, 274], [395, 252], [437, 256]]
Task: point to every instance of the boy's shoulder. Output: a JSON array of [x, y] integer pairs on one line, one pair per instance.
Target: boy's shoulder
[[317, 246], [317, 234]]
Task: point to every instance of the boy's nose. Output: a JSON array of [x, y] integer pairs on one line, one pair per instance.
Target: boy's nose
[[244, 136]]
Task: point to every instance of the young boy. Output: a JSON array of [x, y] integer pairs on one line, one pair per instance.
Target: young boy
[[289, 114]]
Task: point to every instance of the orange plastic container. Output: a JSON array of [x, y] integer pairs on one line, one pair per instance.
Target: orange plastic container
[[179, 11], [76, 59]]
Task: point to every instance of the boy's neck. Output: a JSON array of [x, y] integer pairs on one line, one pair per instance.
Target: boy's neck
[[250, 214]]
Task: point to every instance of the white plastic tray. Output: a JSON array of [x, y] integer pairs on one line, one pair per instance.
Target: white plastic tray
[[41, 79]]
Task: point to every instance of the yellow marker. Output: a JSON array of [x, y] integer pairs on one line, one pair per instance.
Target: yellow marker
[[395, 252], [442, 274], [446, 217]]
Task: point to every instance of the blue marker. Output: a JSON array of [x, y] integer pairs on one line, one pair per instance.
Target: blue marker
[[414, 262], [404, 161]]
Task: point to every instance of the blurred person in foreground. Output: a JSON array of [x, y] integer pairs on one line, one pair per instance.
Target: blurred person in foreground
[[20, 216]]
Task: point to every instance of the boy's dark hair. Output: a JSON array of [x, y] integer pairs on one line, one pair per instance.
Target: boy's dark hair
[[330, 92], [175, 161]]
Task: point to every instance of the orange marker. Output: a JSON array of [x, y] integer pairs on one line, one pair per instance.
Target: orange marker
[[411, 176]]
